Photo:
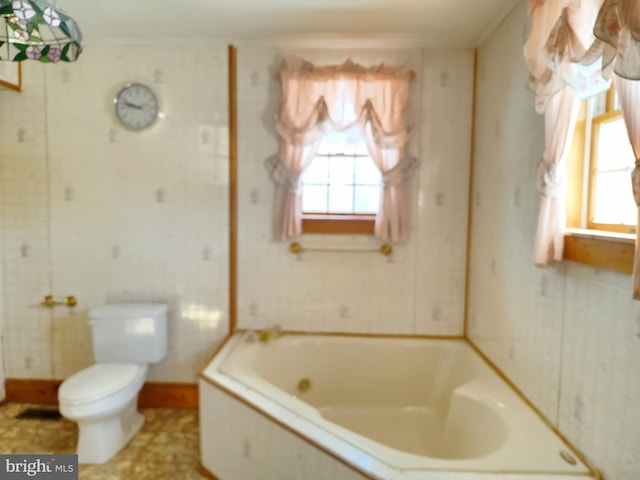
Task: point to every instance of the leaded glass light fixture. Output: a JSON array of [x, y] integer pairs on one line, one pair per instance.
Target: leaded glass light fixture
[[37, 30]]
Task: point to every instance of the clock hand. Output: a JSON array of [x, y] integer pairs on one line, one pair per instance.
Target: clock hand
[[132, 105]]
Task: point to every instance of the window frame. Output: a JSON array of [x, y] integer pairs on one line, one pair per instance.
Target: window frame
[[340, 223], [608, 116], [585, 242]]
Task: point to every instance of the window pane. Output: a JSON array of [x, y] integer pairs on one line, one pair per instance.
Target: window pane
[[614, 150], [340, 199], [367, 173], [314, 198], [614, 202], [341, 170], [367, 199], [317, 172]]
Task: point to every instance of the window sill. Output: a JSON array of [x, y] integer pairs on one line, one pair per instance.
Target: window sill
[[606, 250], [340, 224]]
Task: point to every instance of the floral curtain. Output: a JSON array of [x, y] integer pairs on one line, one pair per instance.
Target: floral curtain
[[579, 45], [374, 99]]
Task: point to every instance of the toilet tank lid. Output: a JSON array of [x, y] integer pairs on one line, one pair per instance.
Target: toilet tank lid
[[123, 310]]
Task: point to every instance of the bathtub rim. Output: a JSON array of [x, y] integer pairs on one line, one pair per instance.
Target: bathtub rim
[[593, 472]]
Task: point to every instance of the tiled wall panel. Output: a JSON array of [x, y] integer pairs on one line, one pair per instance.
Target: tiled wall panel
[[568, 336], [420, 288], [110, 215], [25, 268], [515, 312]]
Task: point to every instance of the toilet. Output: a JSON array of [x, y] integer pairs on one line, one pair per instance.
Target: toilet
[[103, 398]]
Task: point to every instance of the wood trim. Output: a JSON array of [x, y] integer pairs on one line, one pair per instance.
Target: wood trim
[[472, 155], [14, 86], [402, 336], [575, 169], [31, 391], [171, 395], [600, 252], [594, 473], [205, 472], [339, 224], [233, 188], [153, 394]]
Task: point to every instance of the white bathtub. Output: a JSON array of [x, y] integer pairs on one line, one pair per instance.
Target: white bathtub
[[389, 408]]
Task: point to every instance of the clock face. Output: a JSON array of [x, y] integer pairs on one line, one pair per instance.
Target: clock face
[[136, 106]]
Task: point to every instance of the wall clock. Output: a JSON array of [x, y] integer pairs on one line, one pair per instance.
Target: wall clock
[[136, 106]]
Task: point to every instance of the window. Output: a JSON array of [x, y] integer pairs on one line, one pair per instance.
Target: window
[[341, 187], [601, 212], [340, 195], [611, 205]]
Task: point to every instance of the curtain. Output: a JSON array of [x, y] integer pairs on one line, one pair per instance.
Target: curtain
[[578, 45], [375, 99], [559, 123], [629, 94]]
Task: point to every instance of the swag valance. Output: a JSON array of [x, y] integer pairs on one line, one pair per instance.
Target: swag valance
[[343, 96], [575, 49]]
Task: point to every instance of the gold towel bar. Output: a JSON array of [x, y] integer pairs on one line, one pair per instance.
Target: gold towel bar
[[384, 249]]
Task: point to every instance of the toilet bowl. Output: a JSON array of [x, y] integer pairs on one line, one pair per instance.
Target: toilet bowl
[[102, 399]]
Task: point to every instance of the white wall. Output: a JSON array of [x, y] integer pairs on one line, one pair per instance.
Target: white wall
[[420, 290], [108, 215], [569, 336]]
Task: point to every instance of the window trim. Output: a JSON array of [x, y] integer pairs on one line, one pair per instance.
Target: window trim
[[354, 224], [597, 248], [340, 223]]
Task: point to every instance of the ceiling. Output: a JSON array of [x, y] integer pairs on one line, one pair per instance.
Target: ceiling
[[435, 23]]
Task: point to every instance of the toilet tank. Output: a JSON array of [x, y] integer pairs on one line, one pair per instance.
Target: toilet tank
[[129, 332]]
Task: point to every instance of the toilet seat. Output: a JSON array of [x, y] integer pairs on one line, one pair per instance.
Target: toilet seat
[[98, 381]]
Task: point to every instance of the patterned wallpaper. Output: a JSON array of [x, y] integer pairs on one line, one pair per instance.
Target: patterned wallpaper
[[420, 288], [569, 336], [108, 215]]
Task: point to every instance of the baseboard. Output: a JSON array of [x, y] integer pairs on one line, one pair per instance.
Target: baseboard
[[153, 394], [206, 473], [175, 395]]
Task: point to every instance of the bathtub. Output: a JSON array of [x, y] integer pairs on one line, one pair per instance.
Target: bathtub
[[383, 408]]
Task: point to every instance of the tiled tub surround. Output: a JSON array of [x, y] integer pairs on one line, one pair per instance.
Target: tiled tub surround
[[349, 292], [389, 408], [568, 336]]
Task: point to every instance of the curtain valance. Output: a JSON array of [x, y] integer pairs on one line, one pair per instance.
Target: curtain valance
[[343, 95]]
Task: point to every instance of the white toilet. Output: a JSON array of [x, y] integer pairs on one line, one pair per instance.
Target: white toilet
[[102, 398]]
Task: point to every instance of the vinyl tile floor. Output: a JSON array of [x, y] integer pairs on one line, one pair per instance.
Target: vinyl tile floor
[[165, 448]]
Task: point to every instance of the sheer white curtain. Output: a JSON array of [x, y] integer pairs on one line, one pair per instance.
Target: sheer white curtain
[[344, 95], [629, 94], [559, 123]]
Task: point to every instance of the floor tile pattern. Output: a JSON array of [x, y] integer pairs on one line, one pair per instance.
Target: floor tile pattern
[[165, 448]]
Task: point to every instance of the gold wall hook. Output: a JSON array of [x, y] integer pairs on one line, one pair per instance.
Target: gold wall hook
[[50, 301]]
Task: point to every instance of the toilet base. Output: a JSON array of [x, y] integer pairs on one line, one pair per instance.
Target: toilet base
[[99, 441]]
